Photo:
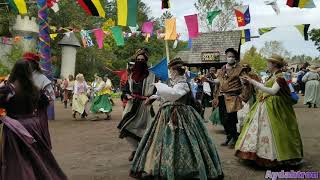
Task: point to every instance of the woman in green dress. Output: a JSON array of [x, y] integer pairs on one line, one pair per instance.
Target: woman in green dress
[[101, 102], [270, 135], [177, 144]]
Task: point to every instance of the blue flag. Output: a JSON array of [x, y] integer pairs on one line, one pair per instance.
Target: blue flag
[[161, 70], [190, 43]]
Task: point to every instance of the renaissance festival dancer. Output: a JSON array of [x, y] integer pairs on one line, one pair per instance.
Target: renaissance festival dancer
[[137, 114], [177, 144], [68, 90], [46, 91], [229, 96], [312, 87], [25, 154], [101, 102], [80, 98], [270, 135]]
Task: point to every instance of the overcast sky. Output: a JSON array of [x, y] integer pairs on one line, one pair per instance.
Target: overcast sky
[[261, 16]]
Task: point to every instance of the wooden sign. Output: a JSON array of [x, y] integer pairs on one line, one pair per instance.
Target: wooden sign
[[210, 56]]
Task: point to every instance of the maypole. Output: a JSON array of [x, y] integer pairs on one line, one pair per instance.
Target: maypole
[[44, 38], [44, 46]]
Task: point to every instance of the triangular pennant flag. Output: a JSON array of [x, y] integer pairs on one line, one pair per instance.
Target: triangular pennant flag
[[192, 25], [274, 5], [18, 6], [165, 4], [161, 70], [211, 15], [127, 12], [243, 15], [99, 37], [92, 7], [301, 3], [303, 29], [134, 29], [246, 36], [175, 44], [171, 29], [118, 35], [265, 30], [53, 36]]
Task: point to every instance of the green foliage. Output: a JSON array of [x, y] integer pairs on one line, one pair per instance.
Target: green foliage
[[224, 21], [255, 60], [274, 47], [315, 37]]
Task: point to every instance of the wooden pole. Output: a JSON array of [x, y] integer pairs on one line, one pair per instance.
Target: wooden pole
[[167, 50]]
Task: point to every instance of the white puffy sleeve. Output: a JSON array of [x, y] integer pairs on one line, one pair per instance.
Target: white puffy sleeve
[[172, 93], [272, 91], [100, 87]]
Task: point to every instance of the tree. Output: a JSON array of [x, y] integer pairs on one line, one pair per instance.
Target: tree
[[274, 47], [224, 21], [315, 37], [255, 60]]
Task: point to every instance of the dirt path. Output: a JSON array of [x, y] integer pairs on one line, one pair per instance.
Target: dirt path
[[91, 150]]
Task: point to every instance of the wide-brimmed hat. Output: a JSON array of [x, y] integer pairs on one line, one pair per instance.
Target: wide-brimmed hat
[[313, 67], [277, 59], [176, 62]]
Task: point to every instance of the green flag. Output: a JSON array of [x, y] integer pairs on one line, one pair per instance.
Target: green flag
[[118, 35], [303, 29], [265, 30], [211, 15]]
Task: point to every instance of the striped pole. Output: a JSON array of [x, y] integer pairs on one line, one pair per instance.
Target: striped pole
[[44, 47], [44, 38]]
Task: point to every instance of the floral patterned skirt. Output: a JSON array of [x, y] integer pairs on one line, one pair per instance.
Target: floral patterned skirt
[[177, 145], [258, 142]]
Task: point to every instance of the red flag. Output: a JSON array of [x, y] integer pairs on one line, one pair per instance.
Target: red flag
[[123, 74]]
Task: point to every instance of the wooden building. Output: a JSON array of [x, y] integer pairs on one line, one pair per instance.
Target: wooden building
[[208, 50]]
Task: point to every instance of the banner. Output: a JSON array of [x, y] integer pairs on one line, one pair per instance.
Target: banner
[[118, 35], [161, 70], [303, 29], [127, 12], [171, 29], [301, 3], [18, 6], [192, 25], [243, 15], [212, 15], [92, 7]]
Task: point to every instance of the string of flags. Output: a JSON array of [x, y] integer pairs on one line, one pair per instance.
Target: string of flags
[[246, 33]]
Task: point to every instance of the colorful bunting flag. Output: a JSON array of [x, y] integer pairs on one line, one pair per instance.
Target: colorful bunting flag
[[86, 39], [118, 35], [108, 24], [53, 4], [171, 29], [303, 29], [165, 4], [301, 3], [92, 7], [246, 36], [190, 43], [147, 27], [161, 70], [53, 36], [265, 30], [243, 15], [192, 25], [175, 44], [212, 15], [18, 6], [123, 74], [99, 37], [127, 12], [274, 5]]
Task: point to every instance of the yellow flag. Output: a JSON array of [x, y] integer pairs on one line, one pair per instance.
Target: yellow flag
[[171, 29], [21, 6]]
